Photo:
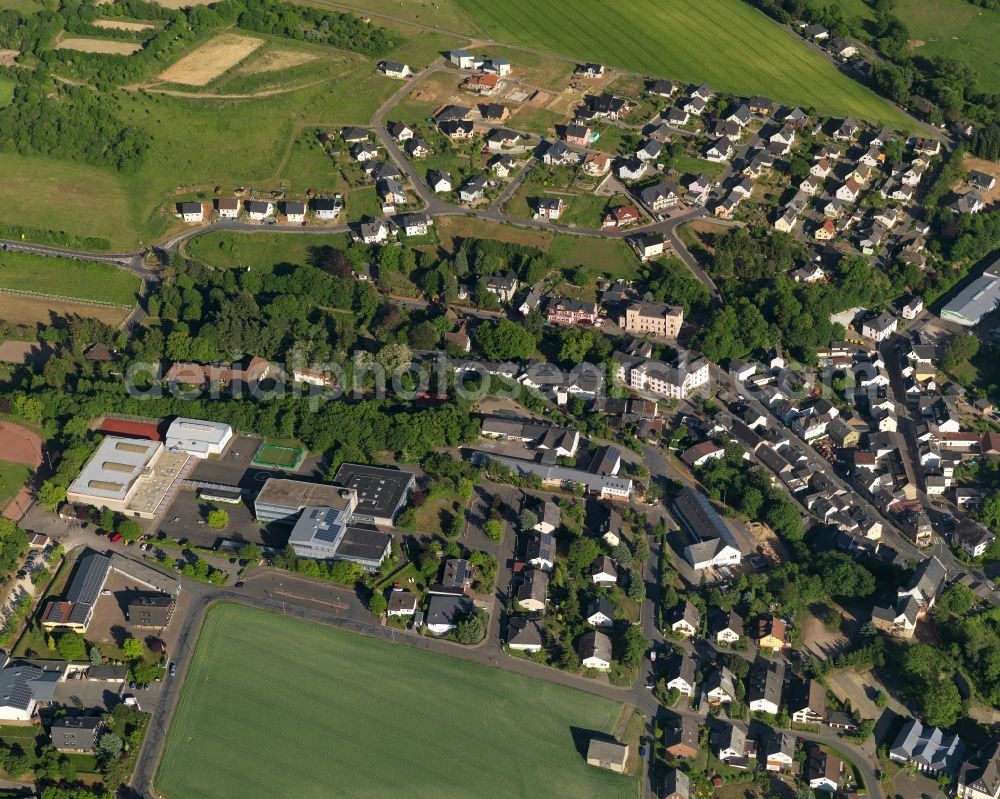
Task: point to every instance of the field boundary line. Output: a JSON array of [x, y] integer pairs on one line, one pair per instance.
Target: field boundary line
[[44, 296]]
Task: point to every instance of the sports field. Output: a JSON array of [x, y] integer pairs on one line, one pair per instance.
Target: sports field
[[62, 277], [12, 477], [279, 456], [274, 706], [724, 43]]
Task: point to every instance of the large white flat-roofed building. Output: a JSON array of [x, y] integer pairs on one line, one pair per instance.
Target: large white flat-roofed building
[[197, 437], [324, 534], [282, 501], [972, 303], [129, 476]]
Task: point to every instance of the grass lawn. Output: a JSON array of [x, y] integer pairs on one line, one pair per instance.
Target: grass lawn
[[66, 278], [724, 43], [359, 707], [260, 250], [956, 29], [689, 165], [245, 142], [12, 477], [608, 256], [6, 91], [444, 14]]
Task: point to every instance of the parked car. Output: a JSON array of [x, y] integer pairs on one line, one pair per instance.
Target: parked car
[[173, 669], [116, 537]]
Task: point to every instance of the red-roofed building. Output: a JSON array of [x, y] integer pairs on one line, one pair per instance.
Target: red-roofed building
[[989, 444], [131, 428]]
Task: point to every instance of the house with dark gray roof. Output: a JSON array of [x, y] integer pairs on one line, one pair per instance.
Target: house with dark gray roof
[[929, 749], [79, 734]]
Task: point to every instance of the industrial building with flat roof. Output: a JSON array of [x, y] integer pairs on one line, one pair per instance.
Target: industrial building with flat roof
[[197, 437], [382, 492], [281, 500], [128, 475], [324, 534], [979, 298]]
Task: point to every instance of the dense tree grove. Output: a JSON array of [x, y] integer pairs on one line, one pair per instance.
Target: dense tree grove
[[69, 122]]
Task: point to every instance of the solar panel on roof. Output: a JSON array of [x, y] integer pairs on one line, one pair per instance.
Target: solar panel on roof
[[328, 534]]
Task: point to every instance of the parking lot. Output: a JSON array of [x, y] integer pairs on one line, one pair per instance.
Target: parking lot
[[187, 517]]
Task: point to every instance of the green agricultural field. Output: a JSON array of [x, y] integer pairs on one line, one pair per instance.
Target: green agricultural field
[[12, 477], [725, 43], [608, 256], [260, 251], [444, 14], [324, 712], [62, 277], [957, 29]]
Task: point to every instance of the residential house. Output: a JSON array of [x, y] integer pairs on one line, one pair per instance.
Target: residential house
[[631, 169], [494, 112], [823, 769], [416, 224], [973, 538], [680, 674], [725, 627], [504, 287], [825, 232], [766, 681], [474, 188], [550, 518], [446, 612], [913, 308], [729, 744], [595, 651], [457, 129], [653, 319], [808, 703], [364, 151], [565, 311], [228, 207], [558, 154], [700, 454], [603, 572], [592, 71], [394, 69], [880, 328], [400, 131], [77, 734], [676, 785], [540, 549], [969, 203], [352, 135], [439, 182], [979, 776], [847, 130], [777, 751], [769, 633], [524, 635], [600, 612], [720, 687], [462, 59], [660, 196], [596, 164], [485, 83], [401, 603], [681, 738], [533, 590], [326, 209], [649, 245], [550, 207], [981, 181], [259, 210], [607, 754], [685, 619], [191, 212], [622, 216], [849, 191], [577, 135]]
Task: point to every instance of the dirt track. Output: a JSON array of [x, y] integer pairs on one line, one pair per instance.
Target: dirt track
[[19, 445]]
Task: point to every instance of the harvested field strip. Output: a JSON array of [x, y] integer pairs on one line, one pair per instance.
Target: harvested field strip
[[99, 46], [22, 310], [204, 64], [122, 25]]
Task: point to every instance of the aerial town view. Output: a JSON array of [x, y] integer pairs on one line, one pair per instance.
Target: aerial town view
[[448, 399]]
